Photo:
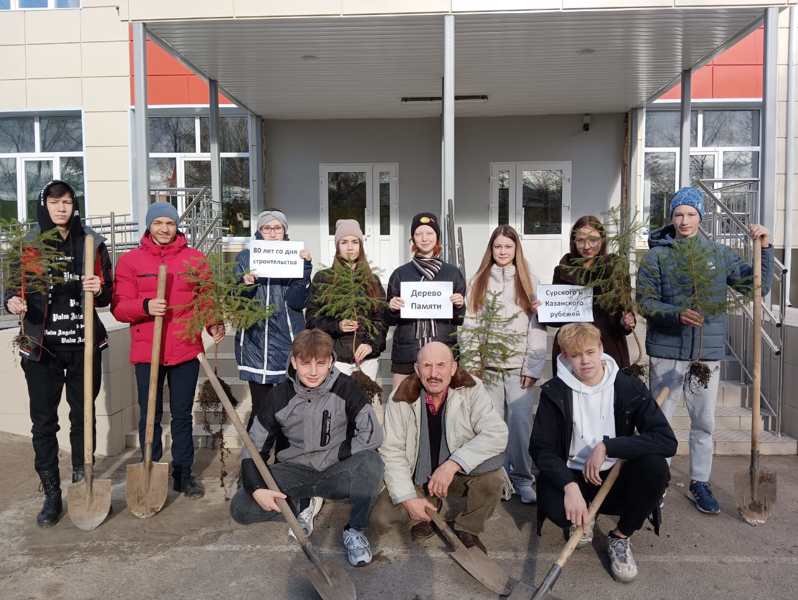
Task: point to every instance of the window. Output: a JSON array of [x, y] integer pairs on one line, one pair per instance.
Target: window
[[33, 150], [724, 144], [180, 158]]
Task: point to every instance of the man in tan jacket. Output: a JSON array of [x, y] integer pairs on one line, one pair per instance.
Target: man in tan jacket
[[442, 438]]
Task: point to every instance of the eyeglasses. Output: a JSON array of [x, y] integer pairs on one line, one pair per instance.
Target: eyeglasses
[[587, 241], [275, 229]]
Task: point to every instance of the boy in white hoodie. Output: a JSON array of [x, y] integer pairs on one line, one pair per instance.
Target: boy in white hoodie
[[590, 416]]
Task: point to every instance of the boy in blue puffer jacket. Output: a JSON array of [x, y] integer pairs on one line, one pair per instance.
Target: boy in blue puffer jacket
[[673, 334]]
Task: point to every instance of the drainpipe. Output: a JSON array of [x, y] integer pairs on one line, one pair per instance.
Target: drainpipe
[[789, 178]]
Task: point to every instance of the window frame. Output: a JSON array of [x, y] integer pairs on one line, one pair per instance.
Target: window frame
[[643, 205], [37, 155]]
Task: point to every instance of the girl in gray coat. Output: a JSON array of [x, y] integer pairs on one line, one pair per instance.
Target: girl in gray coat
[[510, 381]]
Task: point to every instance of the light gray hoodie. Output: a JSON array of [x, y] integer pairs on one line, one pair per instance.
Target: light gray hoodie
[[531, 355]]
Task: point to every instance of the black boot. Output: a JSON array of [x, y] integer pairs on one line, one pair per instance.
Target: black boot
[[78, 474], [52, 507], [184, 482]]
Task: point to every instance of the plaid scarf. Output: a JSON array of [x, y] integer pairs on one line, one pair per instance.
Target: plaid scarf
[[428, 268]]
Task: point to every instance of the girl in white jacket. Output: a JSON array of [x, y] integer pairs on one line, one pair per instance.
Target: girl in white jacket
[[510, 382]]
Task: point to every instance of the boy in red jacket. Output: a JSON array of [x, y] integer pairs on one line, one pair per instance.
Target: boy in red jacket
[[134, 302]]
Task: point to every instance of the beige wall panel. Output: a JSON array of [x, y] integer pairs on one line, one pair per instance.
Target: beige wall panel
[[13, 94], [784, 42], [54, 93], [353, 7], [107, 163], [614, 3], [53, 60], [106, 59], [12, 28], [106, 128], [103, 25], [257, 8], [680, 3], [479, 5], [106, 93], [52, 26], [148, 10], [781, 82], [12, 65], [105, 197]]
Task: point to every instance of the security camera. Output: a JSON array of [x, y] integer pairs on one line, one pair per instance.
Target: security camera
[[586, 123]]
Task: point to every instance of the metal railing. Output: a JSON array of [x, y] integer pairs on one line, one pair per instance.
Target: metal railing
[[730, 207]]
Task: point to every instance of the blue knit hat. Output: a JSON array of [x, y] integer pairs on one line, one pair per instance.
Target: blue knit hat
[[689, 196], [161, 209]]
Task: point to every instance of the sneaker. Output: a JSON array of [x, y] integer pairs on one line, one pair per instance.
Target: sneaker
[[705, 502], [358, 549], [306, 516], [622, 563], [526, 492], [587, 536]]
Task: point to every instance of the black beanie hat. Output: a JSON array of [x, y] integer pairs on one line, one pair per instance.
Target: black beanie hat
[[428, 219]]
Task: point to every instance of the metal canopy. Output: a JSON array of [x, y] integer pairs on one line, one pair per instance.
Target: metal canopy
[[527, 63]]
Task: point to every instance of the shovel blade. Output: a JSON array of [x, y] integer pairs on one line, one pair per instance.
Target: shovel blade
[[332, 582], [762, 484], [483, 569], [145, 500], [89, 506]]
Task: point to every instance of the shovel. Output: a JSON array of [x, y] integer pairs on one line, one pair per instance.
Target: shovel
[[148, 482], [755, 488], [88, 501], [473, 560], [523, 591], [331, 581]]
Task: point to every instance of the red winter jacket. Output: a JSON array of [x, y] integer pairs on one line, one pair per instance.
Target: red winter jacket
[[137, 279]]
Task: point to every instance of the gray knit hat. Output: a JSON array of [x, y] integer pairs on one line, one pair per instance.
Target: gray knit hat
[[345, 227], [271, 215], [161, 209]]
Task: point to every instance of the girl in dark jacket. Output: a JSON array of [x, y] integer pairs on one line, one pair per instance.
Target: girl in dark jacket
[[262, 351], [426, 265], [353, 346], [52, 349], [587, 262]]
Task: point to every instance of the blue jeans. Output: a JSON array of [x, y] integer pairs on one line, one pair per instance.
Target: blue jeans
[[358, 478], [182, 385]]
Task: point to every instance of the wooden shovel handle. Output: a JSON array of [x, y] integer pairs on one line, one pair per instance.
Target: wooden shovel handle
[[454, 541], [599, 498], [756, 388], [155, 360], [88, 362], [256, 457]]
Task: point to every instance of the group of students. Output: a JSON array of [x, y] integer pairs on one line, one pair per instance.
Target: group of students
[[444, 432]]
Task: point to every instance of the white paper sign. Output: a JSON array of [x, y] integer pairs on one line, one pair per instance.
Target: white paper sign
[[565, 304], [276, 259], [426, 299]]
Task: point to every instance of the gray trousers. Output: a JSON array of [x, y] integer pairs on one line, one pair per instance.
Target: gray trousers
[[517, 407], [670, 373]]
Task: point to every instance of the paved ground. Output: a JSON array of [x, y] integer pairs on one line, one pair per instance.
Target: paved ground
[[193, 550]]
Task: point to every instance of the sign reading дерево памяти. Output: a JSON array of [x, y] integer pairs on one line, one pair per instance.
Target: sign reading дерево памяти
[[426, 299], [276, 259], [565, 304]]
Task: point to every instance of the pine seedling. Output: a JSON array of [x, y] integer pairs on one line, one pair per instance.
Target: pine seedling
[[487, 344], [611, 279], [345, 296], [30, 263]]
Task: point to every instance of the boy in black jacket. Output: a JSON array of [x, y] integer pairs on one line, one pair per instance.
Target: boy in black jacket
[[586, 421]]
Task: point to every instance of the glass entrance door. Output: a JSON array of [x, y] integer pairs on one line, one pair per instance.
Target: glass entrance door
[[36, 173], [368, 194]]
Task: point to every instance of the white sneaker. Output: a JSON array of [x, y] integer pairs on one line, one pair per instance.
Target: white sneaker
[[306, 517], [622, 563], [526, 492], [358, 549], [587, 536]]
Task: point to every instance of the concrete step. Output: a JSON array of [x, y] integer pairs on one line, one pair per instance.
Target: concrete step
[[738, 443], [726, 418]]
